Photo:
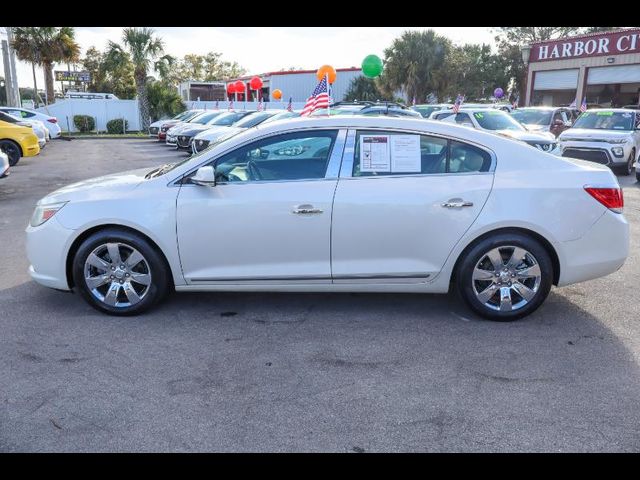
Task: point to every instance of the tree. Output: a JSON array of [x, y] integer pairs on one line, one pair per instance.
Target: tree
[[144, 48], [413, 63], [528, 35], [203, 68], [45, 46], [363, 88], [163, 100]]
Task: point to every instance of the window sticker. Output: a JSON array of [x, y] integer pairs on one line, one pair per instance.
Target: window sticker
[[604, 114], [626, 115], [405, 154], [375, 155], [478, 115]]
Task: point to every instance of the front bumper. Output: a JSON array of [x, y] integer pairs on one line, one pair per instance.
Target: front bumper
[[597, 152], [184, 141], [171, 140], [47, 246]]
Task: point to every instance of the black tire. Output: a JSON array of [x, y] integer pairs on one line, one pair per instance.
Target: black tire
[[637, 176], [467, 264], [157, 268], [627, 169], [13, 151]]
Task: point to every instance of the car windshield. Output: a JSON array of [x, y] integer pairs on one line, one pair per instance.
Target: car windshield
[[166, 168], [605, 120], [182, 115], [254, 119], [497, 120], [426, 110], [8, 118], [532, 117], [205, 117], [281, 115], [228, 118]]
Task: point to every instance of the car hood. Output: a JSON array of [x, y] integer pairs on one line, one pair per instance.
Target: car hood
[[98, 187], [533, 127], [159, 123], [193, 129], [527, 136], [216, 132], [595, 134]]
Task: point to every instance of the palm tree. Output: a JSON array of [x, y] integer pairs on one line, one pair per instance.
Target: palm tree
[[45, 46], [144, 48]]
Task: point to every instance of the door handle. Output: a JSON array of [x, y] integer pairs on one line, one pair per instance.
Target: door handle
[[457, 204], [306, 210]]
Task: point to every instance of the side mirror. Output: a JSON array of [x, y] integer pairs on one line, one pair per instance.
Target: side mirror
[[205, 177]]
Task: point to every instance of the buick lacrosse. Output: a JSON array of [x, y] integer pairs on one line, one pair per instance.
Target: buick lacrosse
[[340, 204]]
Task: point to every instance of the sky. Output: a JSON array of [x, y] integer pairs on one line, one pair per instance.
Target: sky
[[264, 49]]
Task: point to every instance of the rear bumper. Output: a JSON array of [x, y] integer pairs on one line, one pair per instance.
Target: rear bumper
[[601, 251]]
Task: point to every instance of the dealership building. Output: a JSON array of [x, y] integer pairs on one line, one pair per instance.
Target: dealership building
[[603, 67]]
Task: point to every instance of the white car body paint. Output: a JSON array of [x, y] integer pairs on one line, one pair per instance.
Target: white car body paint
[[386, 234], [26, 114]]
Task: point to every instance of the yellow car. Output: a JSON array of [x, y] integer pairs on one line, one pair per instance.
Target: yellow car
[[17, 141]]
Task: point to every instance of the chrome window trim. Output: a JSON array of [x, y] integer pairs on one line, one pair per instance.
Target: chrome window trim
[[333, 164], [347, 163]]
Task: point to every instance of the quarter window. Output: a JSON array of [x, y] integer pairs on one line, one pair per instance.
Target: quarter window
[[291, 156], [382, 153]]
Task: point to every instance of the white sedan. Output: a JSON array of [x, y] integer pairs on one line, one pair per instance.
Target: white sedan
[[340, 204], [49, 122]]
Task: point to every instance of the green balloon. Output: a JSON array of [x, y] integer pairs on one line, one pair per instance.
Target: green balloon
[[372, 66]]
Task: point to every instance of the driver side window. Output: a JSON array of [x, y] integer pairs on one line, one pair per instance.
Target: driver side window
[[290, 156]]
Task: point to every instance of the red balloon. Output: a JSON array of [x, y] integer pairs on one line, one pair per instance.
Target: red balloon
[[256, 83], [239, 86], [231, 88]]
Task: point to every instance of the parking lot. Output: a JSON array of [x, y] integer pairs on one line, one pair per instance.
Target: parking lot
[[305, 372]]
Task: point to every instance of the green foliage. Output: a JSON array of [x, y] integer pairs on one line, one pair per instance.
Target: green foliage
[[164, 100], [111, 71], [84, 123], [363, 88], [203, 68], [115, 126]]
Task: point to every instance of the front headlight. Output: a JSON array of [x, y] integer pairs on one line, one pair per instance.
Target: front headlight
[[618, 151], [618, 140], [42, 213]]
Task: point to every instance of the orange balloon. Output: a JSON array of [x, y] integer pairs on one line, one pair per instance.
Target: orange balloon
[[277, 94], [326, 69]]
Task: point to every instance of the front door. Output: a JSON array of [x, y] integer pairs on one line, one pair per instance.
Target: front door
[[402, 202], [268, 218]]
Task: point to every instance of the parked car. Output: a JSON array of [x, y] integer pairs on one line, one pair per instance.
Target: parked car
[[4, 165], [179, 137], [154, 128], [544, 119], [609, 136], [199, 118], [345, 203], [390, 109], [17, 140], [501, 123], [202, 139], [505, 107], [50, 123], [428, 108], [168, 124], [35, 125]]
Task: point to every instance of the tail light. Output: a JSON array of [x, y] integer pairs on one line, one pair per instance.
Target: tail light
[[52, 120], [611, 198]]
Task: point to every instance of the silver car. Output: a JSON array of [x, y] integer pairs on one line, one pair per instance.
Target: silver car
[[4, 165], [609, 136]]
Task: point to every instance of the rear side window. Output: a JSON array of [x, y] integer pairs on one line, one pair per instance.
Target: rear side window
[[383, 153]]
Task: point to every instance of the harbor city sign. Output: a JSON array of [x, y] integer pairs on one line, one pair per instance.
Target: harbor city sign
[[608, 43]]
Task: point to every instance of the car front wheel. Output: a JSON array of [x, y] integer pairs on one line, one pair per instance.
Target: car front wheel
[[120, 273], [505, 277], [12, 150]]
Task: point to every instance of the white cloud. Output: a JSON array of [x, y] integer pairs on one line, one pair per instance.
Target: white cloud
[[263, 49]]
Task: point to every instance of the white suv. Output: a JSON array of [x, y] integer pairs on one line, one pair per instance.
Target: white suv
[[608, 136]]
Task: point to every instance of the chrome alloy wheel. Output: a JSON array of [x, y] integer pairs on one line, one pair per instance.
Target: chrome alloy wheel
[[117, 274], [506, 278]]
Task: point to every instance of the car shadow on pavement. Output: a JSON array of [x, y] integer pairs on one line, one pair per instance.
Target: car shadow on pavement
[[310, 372]]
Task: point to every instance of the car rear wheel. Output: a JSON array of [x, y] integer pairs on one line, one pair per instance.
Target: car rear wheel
[[505, 277], [12, 150], [120, 273]]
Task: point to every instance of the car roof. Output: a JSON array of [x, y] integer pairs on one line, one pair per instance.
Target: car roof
[[542, 108], [615, 110]]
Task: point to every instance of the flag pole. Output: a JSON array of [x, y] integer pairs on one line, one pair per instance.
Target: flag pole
[[326, 76]]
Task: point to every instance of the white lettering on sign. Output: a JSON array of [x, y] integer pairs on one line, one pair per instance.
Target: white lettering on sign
[[579, 49], [543, 52], [603, 45], [554, 52], [590, 47], [633, 41], [566, 50]]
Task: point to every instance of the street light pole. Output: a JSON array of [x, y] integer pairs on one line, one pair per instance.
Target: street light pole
[[14, 77]]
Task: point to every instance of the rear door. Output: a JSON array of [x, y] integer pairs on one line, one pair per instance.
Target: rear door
[[402, 202]]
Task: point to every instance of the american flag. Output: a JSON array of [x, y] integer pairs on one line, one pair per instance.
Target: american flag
[[574, 103], [217, 105], [260, 105], [458, 104], [230, 105], [583, 106], [318, 99], [290, 106]]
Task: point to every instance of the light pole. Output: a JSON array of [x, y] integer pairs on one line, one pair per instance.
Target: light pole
[[525, 50]]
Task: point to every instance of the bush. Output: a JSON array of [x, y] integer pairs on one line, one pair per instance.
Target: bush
[[115, 126], [84, 123]]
